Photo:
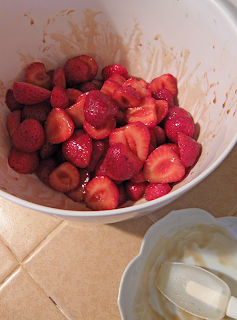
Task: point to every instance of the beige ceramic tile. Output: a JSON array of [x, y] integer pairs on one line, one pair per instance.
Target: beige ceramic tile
[[80, 266], [216, 194], [22, 299], [7, 262], [23, 229]]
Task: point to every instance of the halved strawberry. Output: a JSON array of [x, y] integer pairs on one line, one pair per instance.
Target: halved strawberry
[[87, 86], [59, 98], [122, 194], [58, 78], [143, 83], [176, 112], [76, 71], [164, 94], [64, 178], [138, 177], [165, 81], [161, 109], [101, 194], [178, 124], [91, 63], [13, 121], [163, 165], [189, 149], [27, 93], [76, 111], [135, 136], [36, 74], [160, 135], [143, 92], [23, 162], [117, 78], [78, 194], [101, 133], [78, 148], [97, 150], [109, 86], [38, 111], [156, 190], [112, 69], [146, 113], [135, 191], [11, 102], [58, 126], [126, 97], [72, 95]]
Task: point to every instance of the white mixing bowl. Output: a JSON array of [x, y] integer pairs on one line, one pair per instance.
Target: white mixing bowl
[[195, 40]]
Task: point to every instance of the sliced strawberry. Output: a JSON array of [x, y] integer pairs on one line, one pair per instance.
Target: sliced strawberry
[[174, 147], [13, 121], [58, 78], [163, 165], [99, 108], [161, 109], [135, 191], [72, 95], [165, 81], [146, 113], [177, 111], [164, 94], [156, 190], [101, 194], [29, 136], [109, 86], [126, 97], [189, 150], [112, 69], [120, 163], [45, 167], [91, 63], [97, 150], [143, 83], [64, 178], [11, 102], [117, 78], [76, 111], [39, 111], [179, 124], [101, 133], [78, 194], [26, 93], [143, 92], [23, 162], [59, 98], [36, 74], [78, 148], [138, 177], [135, 136], [160, 135], [76, 71], [88, 86], [58, 126]]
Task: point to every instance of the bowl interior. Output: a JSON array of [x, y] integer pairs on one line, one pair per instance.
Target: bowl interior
[[195, 41]]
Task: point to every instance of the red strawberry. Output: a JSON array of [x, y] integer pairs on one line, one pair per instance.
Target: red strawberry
[[138, 177], [59, 98], [27, 93], [143, 83], [161, 110], [127, 97], [117, 78], [174, 146], [91, 63], [112, 69], [64, 178], [45, 167], [109, 86], [120, 163], [189, 149], [78, 148], [146, 113], [164, 94], [72, 95], [143, 92], [122, 194], [97, 150], [135, 136], [156, 190], [29, 136], [39, 111], [160, 135], [11, 102], [76, 111], [78, 194], [101, 194], [135, 191], [47, 150], [165, 81], [13, 121], [177, 111], [58, 78], [101, 133], [76, 71], [36, 74], [163, 165], [179, 124], [23, 162], [99, 108], [88, 86], [58, 126]]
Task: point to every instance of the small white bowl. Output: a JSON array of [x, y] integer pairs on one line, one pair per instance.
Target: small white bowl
[[192, 236], [196, 41]]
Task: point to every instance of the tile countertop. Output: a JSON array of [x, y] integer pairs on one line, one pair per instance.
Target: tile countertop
[[53, 269]]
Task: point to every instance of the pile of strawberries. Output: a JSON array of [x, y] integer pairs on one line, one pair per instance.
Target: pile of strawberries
[[101, 142]]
